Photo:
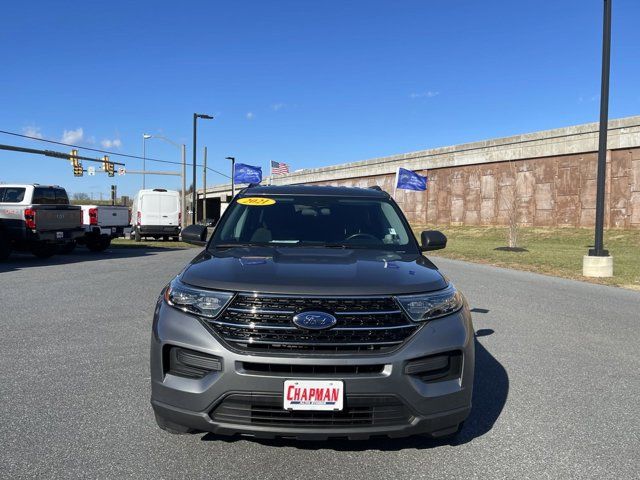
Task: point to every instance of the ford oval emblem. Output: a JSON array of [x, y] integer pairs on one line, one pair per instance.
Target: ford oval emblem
[[314, 320]]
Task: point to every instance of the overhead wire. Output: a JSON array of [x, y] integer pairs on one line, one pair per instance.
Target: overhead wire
[[107, 152]]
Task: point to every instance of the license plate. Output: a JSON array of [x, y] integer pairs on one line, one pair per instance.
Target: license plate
[[324, 395], [59, 235]]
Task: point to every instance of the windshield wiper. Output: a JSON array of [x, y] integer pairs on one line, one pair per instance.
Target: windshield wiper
[[273, 243], [334, 245], [233, 245]]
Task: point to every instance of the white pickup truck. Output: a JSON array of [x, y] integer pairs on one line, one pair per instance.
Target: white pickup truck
[[101, 223], [37, 218]]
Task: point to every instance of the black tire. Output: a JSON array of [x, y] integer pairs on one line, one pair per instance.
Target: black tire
[[5, 248], [43, 250], [99, 245], [136, 235], [68, 247], [173, 428]]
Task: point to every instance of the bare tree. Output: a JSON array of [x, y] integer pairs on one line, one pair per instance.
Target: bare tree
[[81, 196]]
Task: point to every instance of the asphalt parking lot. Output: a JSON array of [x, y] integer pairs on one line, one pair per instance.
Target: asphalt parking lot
[[556, 392]]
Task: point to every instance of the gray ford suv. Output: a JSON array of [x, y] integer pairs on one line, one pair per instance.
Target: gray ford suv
[[312, 313]]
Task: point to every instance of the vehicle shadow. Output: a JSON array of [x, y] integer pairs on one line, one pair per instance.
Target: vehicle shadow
[[491, 388], [19, 260]]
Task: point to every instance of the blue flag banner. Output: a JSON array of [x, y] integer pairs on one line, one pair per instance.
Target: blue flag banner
[[408, 180], [247, 173]]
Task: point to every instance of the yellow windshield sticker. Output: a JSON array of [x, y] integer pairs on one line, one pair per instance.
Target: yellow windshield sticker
[[256, 201]]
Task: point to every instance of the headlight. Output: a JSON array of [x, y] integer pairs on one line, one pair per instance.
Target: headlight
[[205, 303], [428, 306]]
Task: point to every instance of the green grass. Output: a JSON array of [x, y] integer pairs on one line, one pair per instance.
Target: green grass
[[124, 243], [553, 251]]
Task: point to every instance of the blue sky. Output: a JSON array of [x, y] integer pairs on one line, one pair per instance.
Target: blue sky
[[307, 83]]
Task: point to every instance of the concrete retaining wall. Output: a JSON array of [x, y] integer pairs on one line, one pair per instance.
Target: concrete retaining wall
[[543, 179]]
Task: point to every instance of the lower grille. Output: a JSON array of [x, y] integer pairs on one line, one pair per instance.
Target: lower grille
[[263, 323], [284, 369], [266, 410]]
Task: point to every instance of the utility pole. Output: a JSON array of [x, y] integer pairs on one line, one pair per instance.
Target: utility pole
[[204, 187], [184, 184], [598, 263]]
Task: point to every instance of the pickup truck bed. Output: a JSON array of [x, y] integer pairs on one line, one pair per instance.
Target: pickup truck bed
[[101, 223]]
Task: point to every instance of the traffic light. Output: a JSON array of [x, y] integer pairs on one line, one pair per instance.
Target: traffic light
[[73, 157], [77, 165], [107, 166]]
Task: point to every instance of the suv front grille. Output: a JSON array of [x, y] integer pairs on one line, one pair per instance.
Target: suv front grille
[[266, 409], [263, 323], [304, 369]]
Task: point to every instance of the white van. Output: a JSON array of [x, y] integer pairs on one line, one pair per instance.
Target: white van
[[156, 213]]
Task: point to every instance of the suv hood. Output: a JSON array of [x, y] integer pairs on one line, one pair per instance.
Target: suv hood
[[313, 271]]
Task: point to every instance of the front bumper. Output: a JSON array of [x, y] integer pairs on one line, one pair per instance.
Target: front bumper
[[172, 230], [434, 408]]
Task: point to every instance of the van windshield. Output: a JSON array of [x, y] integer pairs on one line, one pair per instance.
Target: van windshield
[[322, 221]]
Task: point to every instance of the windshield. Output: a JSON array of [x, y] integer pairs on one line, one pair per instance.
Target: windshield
[[299, 220]]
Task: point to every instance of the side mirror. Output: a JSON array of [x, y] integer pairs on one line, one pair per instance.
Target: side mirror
[[195, 234], [432, 240]]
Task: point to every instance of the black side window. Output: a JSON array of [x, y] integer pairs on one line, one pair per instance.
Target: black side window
[[44, 195], [11, 195]]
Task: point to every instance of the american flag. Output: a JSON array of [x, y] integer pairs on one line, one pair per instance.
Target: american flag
[[279, 168]]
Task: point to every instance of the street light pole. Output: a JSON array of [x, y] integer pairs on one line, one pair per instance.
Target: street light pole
[[144, 157], [183, 159], [233, 170], [598, 262], [598, 249], [193, 193]]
